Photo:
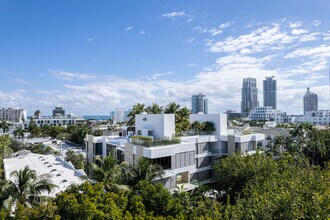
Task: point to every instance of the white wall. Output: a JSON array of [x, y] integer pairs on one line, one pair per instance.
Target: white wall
[[219, 120], [162, 125]]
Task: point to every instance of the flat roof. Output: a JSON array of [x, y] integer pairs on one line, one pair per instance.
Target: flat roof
[[63, 173]]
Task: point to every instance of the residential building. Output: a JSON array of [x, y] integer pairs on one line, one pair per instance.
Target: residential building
[[199, 104], [270, 92], [13, 114], [310, 102], [58, 112], [321, 117], [265, 113], [232, 114], [56, 121], [186, 160], [63, 173], [249, 95]]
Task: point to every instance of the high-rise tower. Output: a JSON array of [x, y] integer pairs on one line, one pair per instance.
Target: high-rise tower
[[310, 102], [270, 92], [249, 95], [199, 103]]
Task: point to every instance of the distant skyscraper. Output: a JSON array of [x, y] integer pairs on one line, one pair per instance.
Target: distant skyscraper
[[270, 92], [199, 103], [310, 102], [249, 95]]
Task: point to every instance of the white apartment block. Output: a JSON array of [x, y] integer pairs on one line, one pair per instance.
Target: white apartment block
[[321, 117], [56, 121], [13, 114], [265, 114], [187, 160]]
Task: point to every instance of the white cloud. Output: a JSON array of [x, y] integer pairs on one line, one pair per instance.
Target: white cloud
[[89, 39], [189, 40], [158, 75], [319, 51], [68, 76], [256, 41], [142, 32], [214, 31], [22, 81], [191, 65], [298, 31], [175, 14], [295, 24], [128, 28], [317, 23]]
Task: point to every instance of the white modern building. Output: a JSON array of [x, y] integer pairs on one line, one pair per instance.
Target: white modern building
[[249, 95], [265, 114], [186, 160], [56, 121], [13, 114], [321, 117], [63, 173]]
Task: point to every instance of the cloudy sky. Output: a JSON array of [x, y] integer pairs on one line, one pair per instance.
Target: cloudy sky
[[95, 56]]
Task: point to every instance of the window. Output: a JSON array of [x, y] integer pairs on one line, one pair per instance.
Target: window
[[165, 162], [98, 149], [139, 132]]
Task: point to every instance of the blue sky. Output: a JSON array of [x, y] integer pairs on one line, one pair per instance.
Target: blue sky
[[95, 56]]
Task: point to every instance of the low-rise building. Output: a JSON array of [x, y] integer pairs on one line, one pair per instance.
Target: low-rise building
[[56, 121], [63, 173], [13, 114], [265, 114], [321, 117]]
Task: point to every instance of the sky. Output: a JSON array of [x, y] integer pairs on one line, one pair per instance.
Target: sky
[[91, 57]]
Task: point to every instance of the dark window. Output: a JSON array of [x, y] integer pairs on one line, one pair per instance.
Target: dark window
[[98, 149], [165, 162]]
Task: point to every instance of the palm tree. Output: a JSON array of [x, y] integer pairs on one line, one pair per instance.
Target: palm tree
[[19, 133], [172, 108], [154, 109], [145, 170], [137, 109], [27, 187], [4, 125], [107, 171], [37, 114], [182, 120], [277, 145]]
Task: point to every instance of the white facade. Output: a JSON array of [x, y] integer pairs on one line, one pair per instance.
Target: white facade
[[189, 161], [56, 121], [13, 114], [155, 125], [265, 113], [321, 117]]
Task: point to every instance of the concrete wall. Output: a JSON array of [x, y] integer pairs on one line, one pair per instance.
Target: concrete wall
[[219, 120], [162, 125]]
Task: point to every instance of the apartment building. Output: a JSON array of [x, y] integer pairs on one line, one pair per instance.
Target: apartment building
[[186, 160], [265, 113], [62, 121], [320, 117], [13, 114]]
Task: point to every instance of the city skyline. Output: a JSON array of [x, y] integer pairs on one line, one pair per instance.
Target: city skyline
[[113, 55]]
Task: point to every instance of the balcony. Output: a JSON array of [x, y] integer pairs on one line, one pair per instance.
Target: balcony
[[148, 141]]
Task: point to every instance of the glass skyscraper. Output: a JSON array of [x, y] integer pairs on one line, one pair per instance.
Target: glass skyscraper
[[310, 102], [270, 92], [199, 103], [249, 95]]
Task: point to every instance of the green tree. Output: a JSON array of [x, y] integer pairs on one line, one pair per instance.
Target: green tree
[[143, 169], [182, 120], [37, 114], [19, 133], [154, 109], [107, 171], [137, 109], [77, 160], [4, 125], [27, 186], [172, 108]]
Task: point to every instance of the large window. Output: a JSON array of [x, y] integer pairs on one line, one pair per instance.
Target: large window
[[184, 159], [165, 162], [98, 149]]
